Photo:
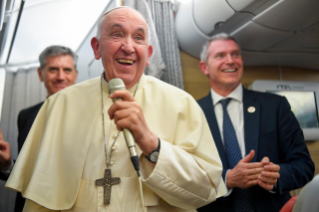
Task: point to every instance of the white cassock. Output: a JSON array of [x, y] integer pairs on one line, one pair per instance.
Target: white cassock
[[64, 153]]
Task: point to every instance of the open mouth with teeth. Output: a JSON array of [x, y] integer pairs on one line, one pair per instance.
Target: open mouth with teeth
[[125, 62], [230, 70]]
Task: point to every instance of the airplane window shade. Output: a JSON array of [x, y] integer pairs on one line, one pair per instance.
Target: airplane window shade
[[304, 105], [302, 97]]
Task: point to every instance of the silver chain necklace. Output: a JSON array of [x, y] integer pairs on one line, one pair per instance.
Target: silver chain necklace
[[108, 181]]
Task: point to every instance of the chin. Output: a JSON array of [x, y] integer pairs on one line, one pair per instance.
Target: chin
[[127, 79], [128, 83], [57, 90]]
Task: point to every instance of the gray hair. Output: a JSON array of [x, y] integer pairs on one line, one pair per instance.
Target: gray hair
[[55, 51], [99, 25], [220, 36]]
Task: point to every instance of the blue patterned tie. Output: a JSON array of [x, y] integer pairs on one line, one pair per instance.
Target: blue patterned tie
[[242, 198]]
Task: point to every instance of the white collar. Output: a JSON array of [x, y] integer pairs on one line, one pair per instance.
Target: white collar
[[236, 94]]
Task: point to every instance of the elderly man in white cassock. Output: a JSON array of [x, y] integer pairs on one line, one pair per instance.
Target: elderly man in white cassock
[[76, 158]]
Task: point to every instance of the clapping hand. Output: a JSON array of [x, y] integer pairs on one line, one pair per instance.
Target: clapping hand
[[5, 155]]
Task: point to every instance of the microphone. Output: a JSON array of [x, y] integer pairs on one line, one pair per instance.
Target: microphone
[[115, 85]]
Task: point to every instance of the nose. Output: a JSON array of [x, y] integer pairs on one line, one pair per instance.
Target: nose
[[60, 75], [128, 46], [230, 59]]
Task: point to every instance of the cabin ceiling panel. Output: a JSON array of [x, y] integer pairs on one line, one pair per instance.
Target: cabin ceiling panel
[[58, 22], [300, 60], [307, 41], [251, 6], [239, 19], [313, 28], [251, 34], [290, 15], [239, 5]]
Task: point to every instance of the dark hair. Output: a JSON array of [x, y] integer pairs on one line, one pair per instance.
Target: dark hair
[[54, 51]]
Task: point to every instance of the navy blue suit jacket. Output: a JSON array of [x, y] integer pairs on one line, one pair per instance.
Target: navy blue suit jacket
[[26, 118], [272, 131]]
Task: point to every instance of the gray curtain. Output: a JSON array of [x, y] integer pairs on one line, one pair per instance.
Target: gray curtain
[[156, 65], [163, 16], [22, 89], [159, 14]]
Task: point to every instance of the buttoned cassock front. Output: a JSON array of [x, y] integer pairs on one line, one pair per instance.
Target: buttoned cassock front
[[64, 153]]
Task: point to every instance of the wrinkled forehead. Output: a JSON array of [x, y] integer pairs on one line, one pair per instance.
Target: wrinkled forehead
[[113, 14]]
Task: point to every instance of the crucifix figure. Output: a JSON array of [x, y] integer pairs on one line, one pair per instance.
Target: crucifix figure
[[107, 182]]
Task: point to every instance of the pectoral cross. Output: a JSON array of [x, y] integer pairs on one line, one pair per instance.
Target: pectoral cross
[[107, 182]]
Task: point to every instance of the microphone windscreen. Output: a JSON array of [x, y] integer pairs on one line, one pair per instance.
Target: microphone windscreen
[[115, 85]]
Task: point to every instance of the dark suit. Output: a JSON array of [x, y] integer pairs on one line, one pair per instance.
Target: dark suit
[[25, 120], [272, 131]]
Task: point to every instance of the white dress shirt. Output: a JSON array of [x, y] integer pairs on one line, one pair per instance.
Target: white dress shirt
[[235, 112]]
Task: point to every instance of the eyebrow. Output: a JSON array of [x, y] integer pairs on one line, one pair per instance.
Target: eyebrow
[[140, 29], [223, 52], [56, 67], [218, 53]]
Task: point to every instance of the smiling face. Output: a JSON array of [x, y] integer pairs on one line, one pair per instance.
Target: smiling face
[[123, 45], [58, 73], [224, 66]]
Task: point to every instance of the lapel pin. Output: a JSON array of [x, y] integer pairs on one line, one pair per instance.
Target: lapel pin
[[251, 109]]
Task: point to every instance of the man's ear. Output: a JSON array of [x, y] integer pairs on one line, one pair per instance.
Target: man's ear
[[203, 67], [40, 74], [95, 46], [150, 52]]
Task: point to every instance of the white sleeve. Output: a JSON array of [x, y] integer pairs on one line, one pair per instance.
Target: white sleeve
[[180, 180]]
